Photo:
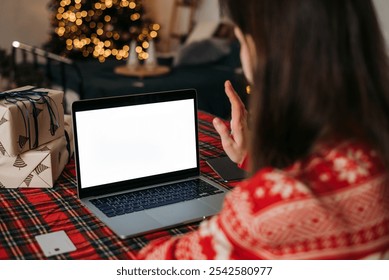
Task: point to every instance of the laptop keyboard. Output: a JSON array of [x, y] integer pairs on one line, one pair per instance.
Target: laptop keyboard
[[125, 203]]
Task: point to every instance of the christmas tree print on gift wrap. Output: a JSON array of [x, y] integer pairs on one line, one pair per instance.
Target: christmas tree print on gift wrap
[[28, 180], [40, 168], [19, 163], [44, 149], [3, 120], [22, 141], [2, 149]]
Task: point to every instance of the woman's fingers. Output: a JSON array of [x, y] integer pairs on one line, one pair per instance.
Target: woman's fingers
[[223, 131], [237, 106], [238, 113], [234, 141]]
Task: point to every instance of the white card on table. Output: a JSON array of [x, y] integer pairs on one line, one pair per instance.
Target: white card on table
[[55, 243]]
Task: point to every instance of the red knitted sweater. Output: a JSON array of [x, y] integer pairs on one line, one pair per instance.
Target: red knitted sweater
[[331, 205]]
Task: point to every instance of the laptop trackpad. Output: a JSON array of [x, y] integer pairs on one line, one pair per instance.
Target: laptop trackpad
[[181, 212], [133, 224]]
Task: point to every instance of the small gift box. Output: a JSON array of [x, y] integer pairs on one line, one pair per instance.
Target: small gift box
[[38, 168], [29, 117]]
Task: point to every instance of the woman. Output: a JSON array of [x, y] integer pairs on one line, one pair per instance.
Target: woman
[[318, 145]]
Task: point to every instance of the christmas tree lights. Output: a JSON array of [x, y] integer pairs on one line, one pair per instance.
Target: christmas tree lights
[[100, 28]]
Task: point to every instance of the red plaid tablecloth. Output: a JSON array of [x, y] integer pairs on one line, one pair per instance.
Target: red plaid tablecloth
[[25, 213]]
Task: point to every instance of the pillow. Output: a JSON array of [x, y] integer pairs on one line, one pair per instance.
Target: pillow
[[202, 52], [203, 30]]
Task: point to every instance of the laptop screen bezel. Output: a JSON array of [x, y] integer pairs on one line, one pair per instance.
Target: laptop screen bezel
[[130, 100]]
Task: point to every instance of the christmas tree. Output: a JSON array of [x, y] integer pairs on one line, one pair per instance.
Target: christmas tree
[[99, 28], [2, 149], [19, 162]]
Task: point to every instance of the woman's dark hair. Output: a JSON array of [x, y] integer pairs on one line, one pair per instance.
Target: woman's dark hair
[[322, 67]]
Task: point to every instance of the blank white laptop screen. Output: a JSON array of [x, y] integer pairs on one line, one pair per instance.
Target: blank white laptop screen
[[130, 142]]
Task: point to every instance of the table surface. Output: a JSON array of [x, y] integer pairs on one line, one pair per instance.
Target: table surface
[[26, 213]]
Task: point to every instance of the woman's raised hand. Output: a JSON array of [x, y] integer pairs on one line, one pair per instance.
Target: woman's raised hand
[[235, 141]]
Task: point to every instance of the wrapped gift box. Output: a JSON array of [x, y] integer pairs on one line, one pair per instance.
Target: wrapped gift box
[[38, 168], [29, 117]]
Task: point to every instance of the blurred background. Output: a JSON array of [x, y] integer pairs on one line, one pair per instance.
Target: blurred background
[[101, 47]]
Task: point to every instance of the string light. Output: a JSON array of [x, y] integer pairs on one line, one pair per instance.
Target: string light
[[132, 5], [77, 16]]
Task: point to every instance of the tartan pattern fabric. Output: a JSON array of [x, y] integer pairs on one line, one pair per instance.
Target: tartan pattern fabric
[[25, 213]]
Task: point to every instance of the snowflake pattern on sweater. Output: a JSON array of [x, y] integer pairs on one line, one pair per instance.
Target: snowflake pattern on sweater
[[332, 205]]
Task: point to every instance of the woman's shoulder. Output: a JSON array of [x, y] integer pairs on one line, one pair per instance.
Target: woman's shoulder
[[345, 164], [329, 168]]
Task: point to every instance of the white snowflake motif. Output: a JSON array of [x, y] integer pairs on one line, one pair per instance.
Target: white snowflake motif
[[351, 167], [285, 186], [260, 193]]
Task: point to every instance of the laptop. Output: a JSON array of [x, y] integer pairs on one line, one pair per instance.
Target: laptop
[[137, 162]]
